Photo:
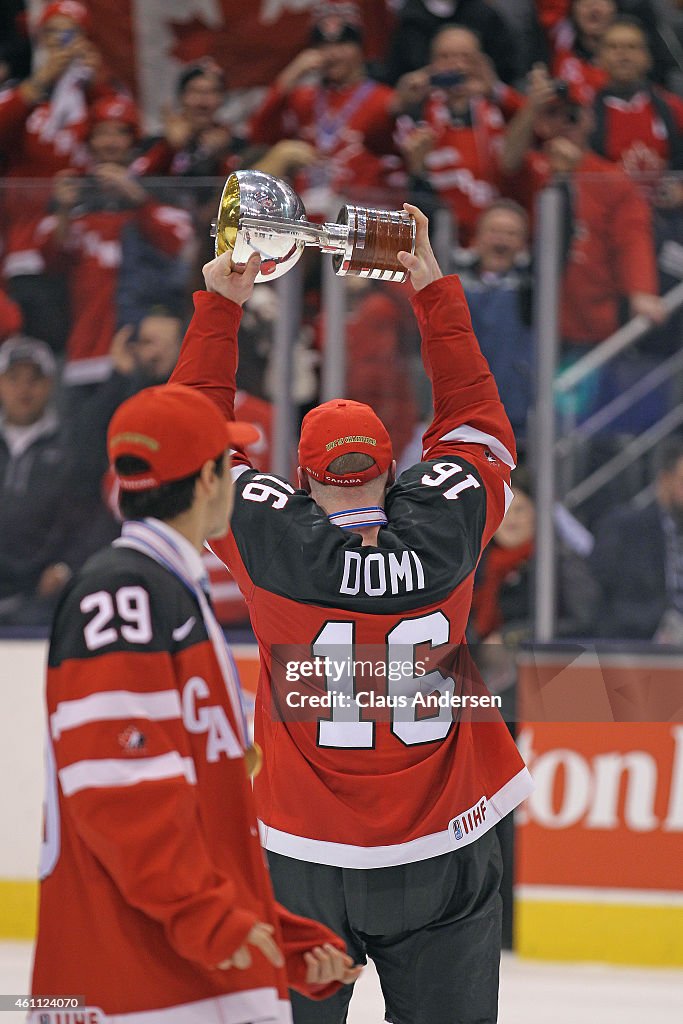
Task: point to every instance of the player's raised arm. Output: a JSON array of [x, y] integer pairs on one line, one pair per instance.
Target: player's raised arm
[[467, 407], [209, 353]]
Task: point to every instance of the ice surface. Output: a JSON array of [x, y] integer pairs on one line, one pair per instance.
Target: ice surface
[[531, 992]]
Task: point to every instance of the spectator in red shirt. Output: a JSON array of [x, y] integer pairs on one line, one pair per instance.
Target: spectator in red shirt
[[574, 29], [640, 125], [43, 124], [637, 124], [85, 233], [325, 98], [452, 127], [197, 143], [608, 248]]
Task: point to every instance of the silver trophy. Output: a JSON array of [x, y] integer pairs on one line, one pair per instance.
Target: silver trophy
[[263, 214]]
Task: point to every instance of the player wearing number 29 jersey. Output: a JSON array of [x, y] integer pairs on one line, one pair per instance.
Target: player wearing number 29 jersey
[[346, 790]]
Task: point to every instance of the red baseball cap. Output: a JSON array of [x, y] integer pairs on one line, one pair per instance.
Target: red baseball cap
[[115, 108], [174, 428], [337, 428], [71, 9]]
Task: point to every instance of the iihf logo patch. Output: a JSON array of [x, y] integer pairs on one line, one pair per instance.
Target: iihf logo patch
[[470, 822], [132, 740]]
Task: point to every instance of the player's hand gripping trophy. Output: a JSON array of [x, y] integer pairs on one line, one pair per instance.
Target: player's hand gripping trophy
[[263, 214]]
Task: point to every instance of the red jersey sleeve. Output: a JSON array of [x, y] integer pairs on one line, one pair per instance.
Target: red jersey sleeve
[[14, 111], [166, 227], [299, 936], [469, 416], [209, 353], [156, 160]]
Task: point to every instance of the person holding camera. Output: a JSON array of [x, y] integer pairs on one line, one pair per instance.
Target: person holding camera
[[450, 130], [43, 124], [607, 248], [325, 98], [85, 232]]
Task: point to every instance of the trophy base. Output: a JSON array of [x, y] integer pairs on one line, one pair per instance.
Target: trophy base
[[374, 239]]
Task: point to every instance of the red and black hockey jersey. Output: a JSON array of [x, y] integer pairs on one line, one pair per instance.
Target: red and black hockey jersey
[[348, 786], [152, 870]]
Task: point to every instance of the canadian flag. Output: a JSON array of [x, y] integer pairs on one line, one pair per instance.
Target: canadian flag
[[145, 43]]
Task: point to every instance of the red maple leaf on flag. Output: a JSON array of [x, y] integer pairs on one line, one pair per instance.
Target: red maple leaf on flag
[[193, 40]]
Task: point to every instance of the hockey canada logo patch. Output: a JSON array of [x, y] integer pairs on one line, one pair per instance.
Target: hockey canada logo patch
[[132, 740]]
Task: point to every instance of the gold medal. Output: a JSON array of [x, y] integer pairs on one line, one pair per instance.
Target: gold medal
[[253, 758]]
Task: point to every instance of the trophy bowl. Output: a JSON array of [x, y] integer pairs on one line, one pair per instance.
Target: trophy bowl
[[259, 196], [263, 214]]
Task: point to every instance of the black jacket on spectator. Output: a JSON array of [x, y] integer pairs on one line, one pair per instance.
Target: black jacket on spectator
[[628, 562], [417, 26], [41, 520]]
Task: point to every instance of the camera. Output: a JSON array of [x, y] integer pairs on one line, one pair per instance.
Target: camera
[[446, 79], [561, 89]]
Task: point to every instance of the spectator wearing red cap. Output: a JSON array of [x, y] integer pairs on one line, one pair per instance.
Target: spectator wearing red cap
[[43, 125], [85, 234], [325, 98], [365, 813], [451, 132], [148, 737]]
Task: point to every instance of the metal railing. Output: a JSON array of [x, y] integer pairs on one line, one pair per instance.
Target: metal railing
[[549, 450]]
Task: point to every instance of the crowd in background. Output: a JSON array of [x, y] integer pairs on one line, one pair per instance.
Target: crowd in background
[[475, 108]]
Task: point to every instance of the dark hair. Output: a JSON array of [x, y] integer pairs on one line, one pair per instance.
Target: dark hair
[[521, 480], [510, 206], [350, 462], [668, 454], [206, 68], [164, 502], [628, 21]]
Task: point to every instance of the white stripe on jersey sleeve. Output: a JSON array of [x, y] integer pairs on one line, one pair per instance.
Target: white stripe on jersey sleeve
[[113, 772], [470, 435], [101, 707], [238, 470]]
